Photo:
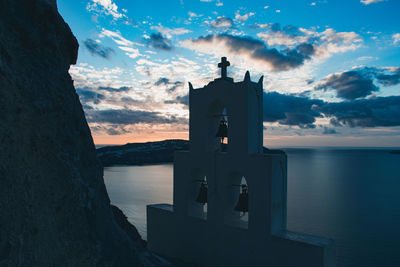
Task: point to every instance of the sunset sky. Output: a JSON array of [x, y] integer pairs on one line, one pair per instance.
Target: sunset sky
[[331, 68]]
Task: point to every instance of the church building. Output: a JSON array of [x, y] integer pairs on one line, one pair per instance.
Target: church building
[[229, 193]]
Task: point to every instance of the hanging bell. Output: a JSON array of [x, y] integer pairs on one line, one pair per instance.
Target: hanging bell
[[243, 203], [222, 129], [202, 197]]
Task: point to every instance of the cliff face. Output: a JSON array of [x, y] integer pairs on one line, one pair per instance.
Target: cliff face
[[54, 208]]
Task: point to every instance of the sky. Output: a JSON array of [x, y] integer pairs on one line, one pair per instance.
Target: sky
[[331, 68]]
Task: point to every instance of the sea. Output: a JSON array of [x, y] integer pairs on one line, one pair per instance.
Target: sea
[[351, 195]]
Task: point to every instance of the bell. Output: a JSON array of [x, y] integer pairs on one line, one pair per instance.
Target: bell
[[222, 129], [243, 203], [202, 197]]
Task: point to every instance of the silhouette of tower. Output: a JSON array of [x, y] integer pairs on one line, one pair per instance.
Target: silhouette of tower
[[229, 195]]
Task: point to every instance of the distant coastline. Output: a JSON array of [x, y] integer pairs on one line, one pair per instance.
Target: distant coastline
[[163, 152], [141, 153]]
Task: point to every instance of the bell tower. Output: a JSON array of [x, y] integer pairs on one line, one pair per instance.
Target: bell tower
[[239, 104], [229, 193]]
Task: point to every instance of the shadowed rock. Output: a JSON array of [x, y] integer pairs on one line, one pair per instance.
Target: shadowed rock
[[54, 208]]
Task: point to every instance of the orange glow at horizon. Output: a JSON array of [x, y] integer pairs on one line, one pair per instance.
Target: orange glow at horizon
[[137, 138], [269, 140]]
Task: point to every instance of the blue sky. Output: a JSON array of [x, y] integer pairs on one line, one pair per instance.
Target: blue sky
[[331, 68]]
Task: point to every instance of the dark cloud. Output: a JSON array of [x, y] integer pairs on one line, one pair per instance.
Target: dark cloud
[[359, 83], [129, 99], [222, 22], [372, 112], [88, 96], [183, 99], [290, 109], [179, 100], [126, 116], [113, 90], [160, 81], [158, 41], [166, 82], [388, 77], [349, 85], [97, 49], [113, 129], [302, 111], [175, 85], [279, 60], [328, 130]]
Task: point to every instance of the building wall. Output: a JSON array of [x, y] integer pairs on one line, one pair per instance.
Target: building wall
[[194, 240]]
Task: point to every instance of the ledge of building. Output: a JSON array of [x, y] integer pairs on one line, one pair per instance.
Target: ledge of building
[[162, 206], [305, 238]]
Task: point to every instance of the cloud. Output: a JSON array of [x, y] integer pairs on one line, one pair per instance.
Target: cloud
[[116, 37], [194, 15], [97, 49], [158, 41], [253, 49], [328, 130], [107, 7], [244, 17], [359, 83], [166, 82], [349, 84], [85, 75], [326, 42], [179, 100], [280, 38], [168, 32], [368, 2], [129, 117], [86, 95], [115, 130], [302, 111], [290, 109], [396, 38], [372, 112], [124, 44], [222, 22], [130, 52], [114, 90], [387, 76]]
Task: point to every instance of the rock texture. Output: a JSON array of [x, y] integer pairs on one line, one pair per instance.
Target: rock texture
[[54, 208]]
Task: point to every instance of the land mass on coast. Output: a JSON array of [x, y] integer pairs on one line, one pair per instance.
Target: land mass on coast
[[146, 153]]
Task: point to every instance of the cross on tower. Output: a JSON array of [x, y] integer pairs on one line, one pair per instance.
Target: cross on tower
[[223, 65]]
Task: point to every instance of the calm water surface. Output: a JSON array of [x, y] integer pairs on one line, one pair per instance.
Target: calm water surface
[[352, 196]]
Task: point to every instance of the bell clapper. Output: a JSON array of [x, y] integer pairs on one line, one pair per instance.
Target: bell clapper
[[202, 196], [222, 130], [243, 202]]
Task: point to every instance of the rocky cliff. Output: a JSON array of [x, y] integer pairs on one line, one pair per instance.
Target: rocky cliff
[[54, 208]]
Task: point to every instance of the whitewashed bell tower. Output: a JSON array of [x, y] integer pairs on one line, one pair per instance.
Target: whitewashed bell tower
[[229, 194]]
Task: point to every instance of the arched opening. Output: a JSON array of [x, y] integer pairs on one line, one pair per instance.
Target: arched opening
[[197, 201], [236, 201], [218, 124]]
